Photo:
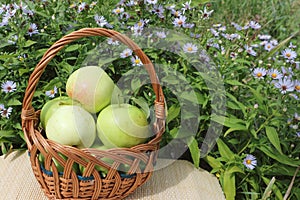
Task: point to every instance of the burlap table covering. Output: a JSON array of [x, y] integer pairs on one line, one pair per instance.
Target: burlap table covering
[[176, 180]]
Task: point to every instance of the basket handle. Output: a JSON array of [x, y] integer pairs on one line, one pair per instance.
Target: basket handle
[[28, 112]]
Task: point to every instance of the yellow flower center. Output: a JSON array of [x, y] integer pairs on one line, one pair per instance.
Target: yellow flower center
[[180, 22], [52, 92], [259, 74], [118, 10], [288, 55], [140, 23], [190, 49], [137, 61], [274, 75], [297, 87], [248, 162]]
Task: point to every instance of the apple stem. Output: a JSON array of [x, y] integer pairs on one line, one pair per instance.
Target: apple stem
[[119, 99], [59, 91]]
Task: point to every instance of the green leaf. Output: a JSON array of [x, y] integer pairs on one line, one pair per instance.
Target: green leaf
[[73, 47], [201, 98], [234, 169], [171, 79], [280, 45], [141, 102], [4, 133], [279, 168], [237, 128], [42, 14], [190, 96], [195, 151], [4, 44], [239, 104], [3, 148], [273, 137], [229, 122], [28, 43], [272, 153], [173, 112], [224, 150], [219, 119], [258, 97], [268, 190], [54, 82], [174, 132], [229, 185], [66, 67], [296, 192], [274, 188], [232, 105], [214, 163], [5, 57], [196, 3], [23, 71], [234, 82], [104, 61], [135, 84], [14, 102]]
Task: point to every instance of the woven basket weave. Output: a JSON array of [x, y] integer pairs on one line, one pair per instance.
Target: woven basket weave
[[68, 184]]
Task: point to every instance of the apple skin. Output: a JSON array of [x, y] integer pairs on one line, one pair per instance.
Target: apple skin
[[122, 125], [123, 168], [51, 106], [91, 86], [71, 125], [58, 166], [100, 169]]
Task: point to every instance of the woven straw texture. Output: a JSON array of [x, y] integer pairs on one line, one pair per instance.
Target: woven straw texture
[[140, 158], [178, 181]]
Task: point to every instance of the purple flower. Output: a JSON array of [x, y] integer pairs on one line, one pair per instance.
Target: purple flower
[[250, 161], [285, 85], [32, 29], [9, 86]]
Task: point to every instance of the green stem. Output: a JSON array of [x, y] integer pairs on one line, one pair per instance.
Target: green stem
[[265, 122], [258, 130], [243, 149], [57, 72], [244, 179]]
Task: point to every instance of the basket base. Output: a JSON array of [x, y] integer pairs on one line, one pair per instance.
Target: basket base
[[86, 188], [168, 183]]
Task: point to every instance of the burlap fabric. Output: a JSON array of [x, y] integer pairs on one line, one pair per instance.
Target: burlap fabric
[[178, 180]]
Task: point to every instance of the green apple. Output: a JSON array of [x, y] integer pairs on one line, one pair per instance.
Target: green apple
[[71, 125], [91, 86], [122, 167], [51, 106], [101, 169], [122, 125], [58, 166]]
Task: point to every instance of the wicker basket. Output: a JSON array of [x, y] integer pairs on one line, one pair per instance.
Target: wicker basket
[[68, 184]]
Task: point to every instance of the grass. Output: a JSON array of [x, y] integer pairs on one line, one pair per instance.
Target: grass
[[279, 18]]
